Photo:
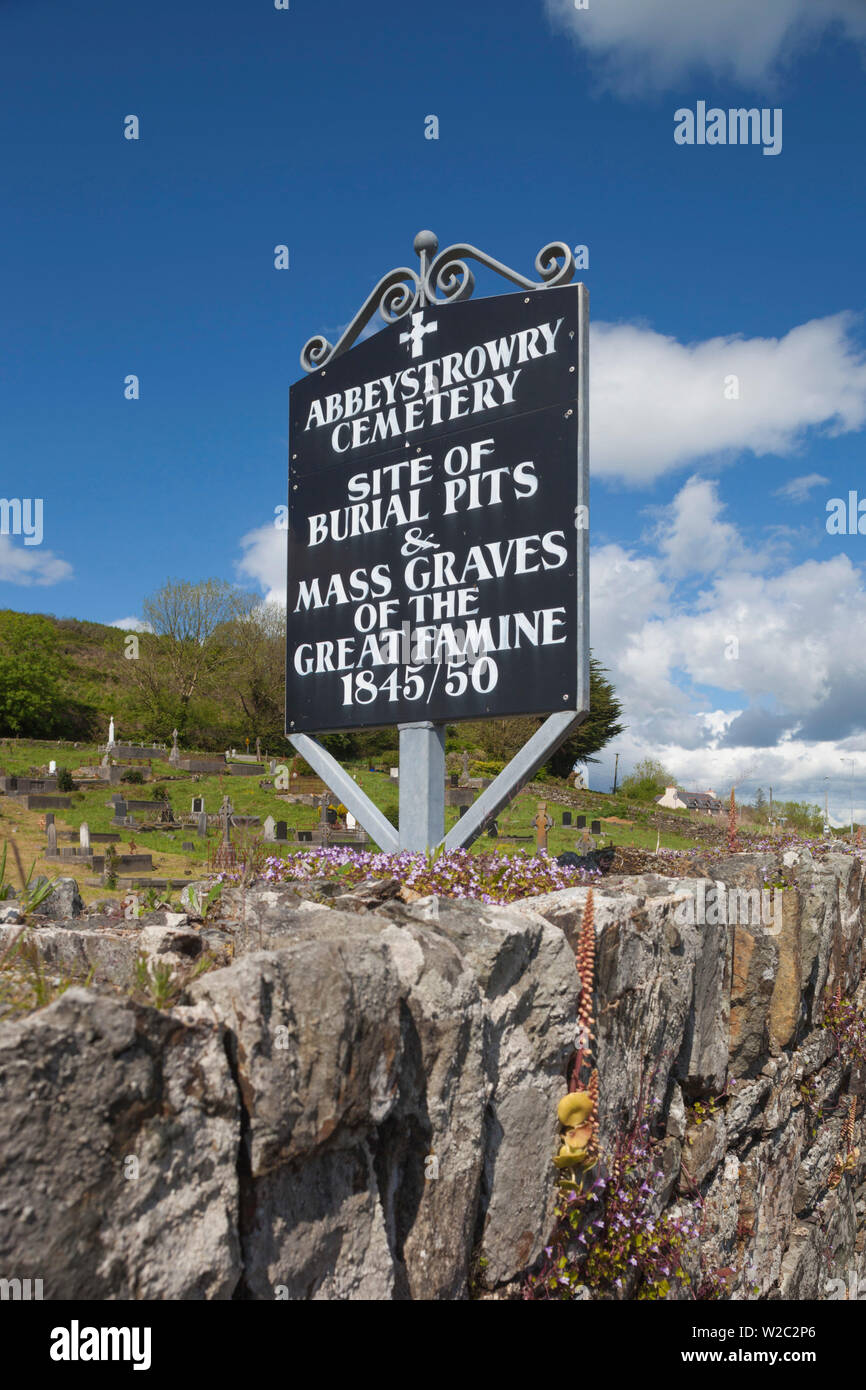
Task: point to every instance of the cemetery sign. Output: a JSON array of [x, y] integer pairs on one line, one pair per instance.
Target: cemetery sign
[[438, 517]]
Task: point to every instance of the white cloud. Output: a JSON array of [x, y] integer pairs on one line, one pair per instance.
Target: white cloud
[[798, 642], [642, 45], [264, 560], [657, 404], [20, 564], [132, 625], [692, 537], [799, 489]]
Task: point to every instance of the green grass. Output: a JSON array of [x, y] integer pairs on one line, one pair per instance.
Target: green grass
[[248, 798]]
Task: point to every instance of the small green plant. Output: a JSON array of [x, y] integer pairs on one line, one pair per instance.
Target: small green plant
[[24, 986], [64, 780], [6, 888], [110, 875], [133, 775], [156, 982], [30, 899]]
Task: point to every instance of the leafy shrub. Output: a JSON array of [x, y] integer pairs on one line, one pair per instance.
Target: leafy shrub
[[134, 775], [64, 780]]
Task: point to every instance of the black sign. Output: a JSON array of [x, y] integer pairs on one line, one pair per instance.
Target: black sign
[[435, 530]]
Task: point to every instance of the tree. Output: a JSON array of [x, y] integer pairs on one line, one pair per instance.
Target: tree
[[500, 739], [761, 803], [31, 672], [255, 676], [598, 729], [186, 647], [648, 781]]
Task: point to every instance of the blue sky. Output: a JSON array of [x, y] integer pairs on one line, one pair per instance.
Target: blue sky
[[306, 127]]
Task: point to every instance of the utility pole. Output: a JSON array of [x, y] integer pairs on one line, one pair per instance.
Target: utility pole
[[851, 761], [615, 771]]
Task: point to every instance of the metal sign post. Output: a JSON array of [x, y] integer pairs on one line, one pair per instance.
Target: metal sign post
[[439, 529]]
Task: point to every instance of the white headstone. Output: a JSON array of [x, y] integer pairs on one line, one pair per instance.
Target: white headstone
[[269, 830], [111, 732], [350, 821], [52, 768], [395, 773], [84, 835]]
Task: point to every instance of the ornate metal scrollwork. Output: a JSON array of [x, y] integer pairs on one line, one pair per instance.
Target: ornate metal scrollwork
[[444, 279]]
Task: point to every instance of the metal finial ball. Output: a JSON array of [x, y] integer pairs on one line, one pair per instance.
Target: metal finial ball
[[426, 241]]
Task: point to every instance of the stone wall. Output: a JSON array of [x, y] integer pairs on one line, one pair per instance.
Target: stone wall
[[721, 1022], [363, 1104]]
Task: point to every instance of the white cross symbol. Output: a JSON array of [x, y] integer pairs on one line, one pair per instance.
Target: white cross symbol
[[416, 335]]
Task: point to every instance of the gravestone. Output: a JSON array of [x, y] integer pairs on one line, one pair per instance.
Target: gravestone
[[465, 761], [120, 809], [306, 836], [201, 824], [455, 779], [395, 774], [188, 846], [52, 768], [84, 837], [595, 828], [566, 818], [461, 810], [226, 811], [258, 748], [174, 755], [269, 829], [197, 805], [281, 832], [581, 822], [542, 825], [351, 823], [51, 835]]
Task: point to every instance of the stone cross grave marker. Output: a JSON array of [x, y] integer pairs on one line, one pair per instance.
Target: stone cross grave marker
[[226, 813], [543, 823]]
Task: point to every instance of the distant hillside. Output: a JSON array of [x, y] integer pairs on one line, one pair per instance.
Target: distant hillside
[[59, 677], [215, 671]]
